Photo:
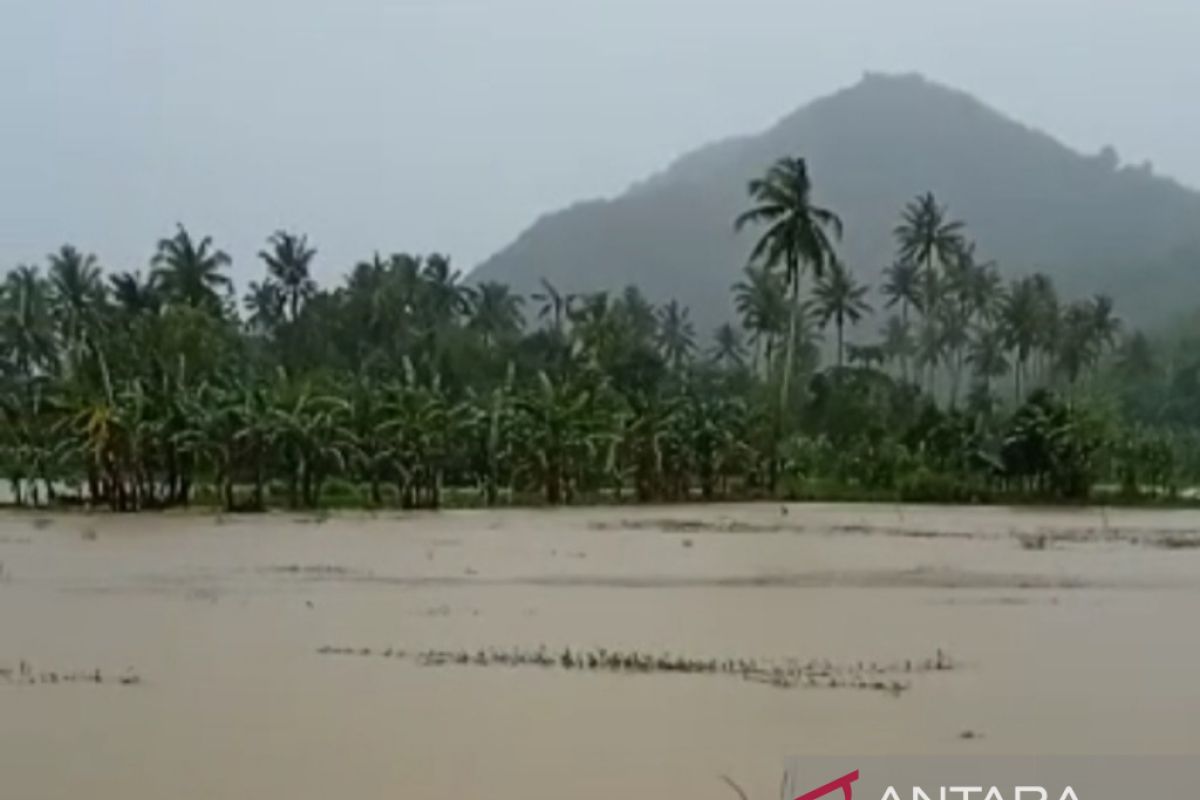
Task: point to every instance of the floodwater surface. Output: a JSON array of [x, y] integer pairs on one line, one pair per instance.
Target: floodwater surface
[[627, 652]]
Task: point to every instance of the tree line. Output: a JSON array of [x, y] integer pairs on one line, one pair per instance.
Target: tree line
[[406, 385]]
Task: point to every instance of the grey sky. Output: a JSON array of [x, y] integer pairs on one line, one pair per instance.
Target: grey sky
[[451, 124]]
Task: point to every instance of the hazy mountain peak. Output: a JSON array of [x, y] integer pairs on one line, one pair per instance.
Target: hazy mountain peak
[[1030, 201]]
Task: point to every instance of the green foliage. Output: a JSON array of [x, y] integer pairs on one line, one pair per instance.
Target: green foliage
[[405, 386]]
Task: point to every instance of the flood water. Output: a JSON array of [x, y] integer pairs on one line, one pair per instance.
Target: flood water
[[221, 645]]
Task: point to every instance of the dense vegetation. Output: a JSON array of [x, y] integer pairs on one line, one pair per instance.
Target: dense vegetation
[[405, 386]]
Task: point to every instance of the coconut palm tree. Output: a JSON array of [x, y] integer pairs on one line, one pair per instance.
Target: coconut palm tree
[[190, 272], [595, 326], [1077, 345], [1021, 320], [727, 349], [954, 322], [134, 295], [1137, 361], [867, 356], [638, 316], [930, 349], [1049, 318], [897, 343], [76, 295], [987, 356], [676, 334], [27, 321], [902, 286], [840, 298], [979, 287], [447, 297], [288, 261], [1105, 325], [496, 313], [926, 236], [555, 306], [265, 302], [761, 302], [798, 235]]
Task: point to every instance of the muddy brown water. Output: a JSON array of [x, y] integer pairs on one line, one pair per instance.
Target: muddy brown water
[[1071, 631]]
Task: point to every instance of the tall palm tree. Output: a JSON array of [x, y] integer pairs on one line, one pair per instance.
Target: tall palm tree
[[135, 295], [805, 349], [1137, 361], [987, 356], [761, 302], [1049, 318], [265, 302], [1021, 321], [926, 236], [1076, 347], [190, 272], [676, 333], [76, 294], [595, 326], [978, 286], [798, 234], [288, 262], [447, 297], [727, 349], [840, 298], [897, 343], [902, 287], [496, 312], [27, 322], [638, 316], [555, 306], [956, 338], [930, 349], [1105, 325]]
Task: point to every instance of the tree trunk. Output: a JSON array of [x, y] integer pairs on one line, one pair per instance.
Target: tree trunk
[[955, 379], [93, 483], [294, 487], [841, 324], [259, 504], [789, 357], [789, 350], [435, 490], [553, 482]]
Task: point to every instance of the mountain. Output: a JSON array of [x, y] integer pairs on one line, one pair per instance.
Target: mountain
[[1029, 201]]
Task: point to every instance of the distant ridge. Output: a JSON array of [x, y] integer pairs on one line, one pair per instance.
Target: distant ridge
[[1030, 202]]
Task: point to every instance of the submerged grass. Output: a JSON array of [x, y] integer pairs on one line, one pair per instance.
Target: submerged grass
[[891, 677]]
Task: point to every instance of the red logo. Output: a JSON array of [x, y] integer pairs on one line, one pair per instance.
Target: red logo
[[842, 783]]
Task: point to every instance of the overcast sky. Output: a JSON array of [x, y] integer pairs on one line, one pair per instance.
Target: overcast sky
[[452, 124]]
